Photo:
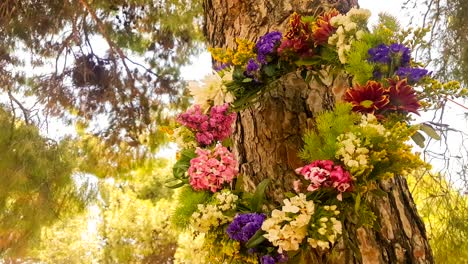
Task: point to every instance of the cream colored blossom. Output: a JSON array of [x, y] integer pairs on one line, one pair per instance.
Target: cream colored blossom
[[287, 228], [212, 90], [211, 216]]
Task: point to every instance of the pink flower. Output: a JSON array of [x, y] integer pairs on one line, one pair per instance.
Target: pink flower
[[216, 126], [211, 169], [324, 173]]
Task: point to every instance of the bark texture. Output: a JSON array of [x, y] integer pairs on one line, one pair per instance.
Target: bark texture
[[268, 135]]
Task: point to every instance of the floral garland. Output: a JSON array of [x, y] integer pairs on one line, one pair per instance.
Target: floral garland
[[357, 144]]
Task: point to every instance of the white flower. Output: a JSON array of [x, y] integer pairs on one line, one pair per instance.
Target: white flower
[[287, 228], [212, 90]]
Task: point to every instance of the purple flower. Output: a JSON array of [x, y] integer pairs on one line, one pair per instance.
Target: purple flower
[[267, 259], [401, 52], [252, 66], [385, 54], [266, 45], [282, 258], [412, 74], [244, 226], [219, 67], [381, 54]]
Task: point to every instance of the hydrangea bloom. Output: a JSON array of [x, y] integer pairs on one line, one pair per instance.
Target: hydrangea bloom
[[215, 127], [244, 226], [324, 173], [211, 169], [266, 45], [286, 228], [412, 74]]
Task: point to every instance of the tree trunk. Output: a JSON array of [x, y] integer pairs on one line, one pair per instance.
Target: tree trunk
[[268, 135]]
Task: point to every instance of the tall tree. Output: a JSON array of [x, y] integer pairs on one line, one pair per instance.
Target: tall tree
[[268, 136]]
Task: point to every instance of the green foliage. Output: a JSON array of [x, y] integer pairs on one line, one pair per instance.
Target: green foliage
[[447, 51], [73, 240], [101, 60], [134, 230], [35, 173], [444, 211], [357, 64], [187, 205], [321, 143]]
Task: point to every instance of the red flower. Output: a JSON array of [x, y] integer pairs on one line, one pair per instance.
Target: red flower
[[369, 98], [322, 29], [402, 96], [297, 28]]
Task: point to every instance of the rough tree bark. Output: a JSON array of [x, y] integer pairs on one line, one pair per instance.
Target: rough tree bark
[[268, 135]]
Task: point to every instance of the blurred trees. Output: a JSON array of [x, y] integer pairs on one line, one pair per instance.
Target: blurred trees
[[37, 187]]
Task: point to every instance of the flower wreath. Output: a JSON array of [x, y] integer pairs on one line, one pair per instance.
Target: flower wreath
[[354, 146]]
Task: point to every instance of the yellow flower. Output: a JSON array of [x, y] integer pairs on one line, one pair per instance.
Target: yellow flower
[[244, 52]]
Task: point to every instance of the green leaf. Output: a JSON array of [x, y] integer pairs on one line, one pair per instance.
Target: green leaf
[[307, 62], [175, 186], [247, 80], [418, 139], [429, 130], [257, 200], [239, 183], [269, 70], [357, 204], [256, 239], [182, 165]]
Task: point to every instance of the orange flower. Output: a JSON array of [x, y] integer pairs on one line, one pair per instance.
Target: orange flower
[[322, 28]]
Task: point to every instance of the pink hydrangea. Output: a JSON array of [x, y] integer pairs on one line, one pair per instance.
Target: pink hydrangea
[[211, 169], [216, 126], [324, 173]]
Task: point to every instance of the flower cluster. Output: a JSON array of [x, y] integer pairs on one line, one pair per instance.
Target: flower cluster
[[297, 42], [413, 75], [213, 215], [324, 173], [394, 59], [396, 53], [322, 29], [240, 57], [375, 99], [212, 91], [244, 226], [210, 170], [208, 129], [184, 138], [349, 27], [352, 153], [324, 227], [286, 228], [267, 45]]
